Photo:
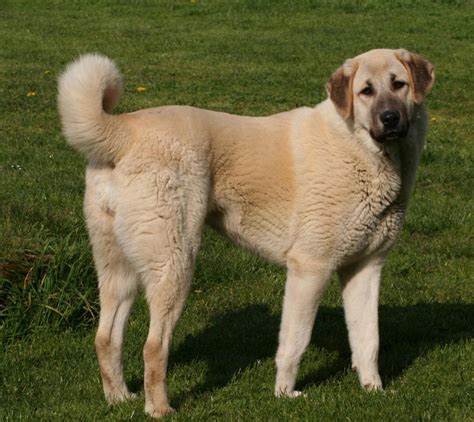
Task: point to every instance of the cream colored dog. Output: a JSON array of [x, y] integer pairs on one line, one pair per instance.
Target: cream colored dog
[[317, 190]]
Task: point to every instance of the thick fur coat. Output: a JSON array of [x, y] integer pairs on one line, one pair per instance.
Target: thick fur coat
[[317, 190]]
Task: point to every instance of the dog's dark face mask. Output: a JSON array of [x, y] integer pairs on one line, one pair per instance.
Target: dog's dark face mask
[[378, 92], [389, 118]]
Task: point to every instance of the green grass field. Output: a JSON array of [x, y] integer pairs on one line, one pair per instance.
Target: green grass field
[[247, 57]]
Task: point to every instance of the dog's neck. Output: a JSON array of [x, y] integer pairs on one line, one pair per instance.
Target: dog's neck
[[393, 164]]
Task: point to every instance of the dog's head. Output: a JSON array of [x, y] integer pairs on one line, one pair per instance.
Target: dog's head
[[379, 90]]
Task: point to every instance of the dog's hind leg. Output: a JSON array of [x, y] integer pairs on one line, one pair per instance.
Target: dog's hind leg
[[166, 291], [304, 290], [117, 292], [160, 226], [117, 284], [360, 293]]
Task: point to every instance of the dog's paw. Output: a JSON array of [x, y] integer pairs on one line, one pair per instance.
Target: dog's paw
[[369, 379], [119, 396], [373, 383], [131, 396], [289, 394], [160, 412], [296, 393]]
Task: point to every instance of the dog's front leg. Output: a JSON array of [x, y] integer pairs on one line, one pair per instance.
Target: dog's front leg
[[303, 292], [360, 292]]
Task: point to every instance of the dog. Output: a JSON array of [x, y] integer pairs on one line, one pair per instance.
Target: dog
[[317, 190]]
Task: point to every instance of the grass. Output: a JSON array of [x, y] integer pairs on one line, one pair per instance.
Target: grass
[[248, 57]]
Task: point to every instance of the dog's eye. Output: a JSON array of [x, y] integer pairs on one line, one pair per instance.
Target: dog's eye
[[398, 85], [368, 91]]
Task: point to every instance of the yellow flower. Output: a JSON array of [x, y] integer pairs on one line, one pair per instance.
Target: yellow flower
[[140, 89], [30, 93]]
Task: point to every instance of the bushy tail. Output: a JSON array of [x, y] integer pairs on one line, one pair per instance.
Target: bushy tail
[[89, 89]]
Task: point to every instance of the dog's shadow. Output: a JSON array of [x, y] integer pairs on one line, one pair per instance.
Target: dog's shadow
[[236, 340]]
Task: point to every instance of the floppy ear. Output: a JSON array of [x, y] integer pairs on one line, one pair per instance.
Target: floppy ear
[[421, 73], [339, 88]]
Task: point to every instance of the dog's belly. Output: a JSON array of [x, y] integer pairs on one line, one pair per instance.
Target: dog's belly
[[252, 188], [263, 231]]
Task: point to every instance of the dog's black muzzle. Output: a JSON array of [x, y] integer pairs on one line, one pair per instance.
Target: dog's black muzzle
[[389, 123]]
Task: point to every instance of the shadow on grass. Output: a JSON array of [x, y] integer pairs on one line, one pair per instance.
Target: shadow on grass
[[409, 332], [232, 342], [235, 340]]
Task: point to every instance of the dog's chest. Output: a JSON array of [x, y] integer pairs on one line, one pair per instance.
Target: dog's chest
[[373, 223], [373, 228]]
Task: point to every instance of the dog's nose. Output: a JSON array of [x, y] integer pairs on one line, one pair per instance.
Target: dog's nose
[[390, 118]]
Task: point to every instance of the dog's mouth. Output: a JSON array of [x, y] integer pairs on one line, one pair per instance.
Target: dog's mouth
[[389, 135], [392, 135]]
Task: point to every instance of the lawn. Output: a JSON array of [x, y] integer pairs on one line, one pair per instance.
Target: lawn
[[251, 57]]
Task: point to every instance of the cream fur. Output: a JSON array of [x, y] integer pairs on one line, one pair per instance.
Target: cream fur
[[309, 189]]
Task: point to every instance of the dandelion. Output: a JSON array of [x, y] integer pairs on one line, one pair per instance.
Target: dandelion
[[140, 89], [30, 93]]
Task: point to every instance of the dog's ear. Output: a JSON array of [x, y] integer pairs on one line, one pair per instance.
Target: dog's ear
[[420, 71], [339, 88]]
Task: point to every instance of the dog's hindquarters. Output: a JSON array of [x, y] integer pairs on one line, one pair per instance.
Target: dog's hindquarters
[[159, 216], [145, 212]]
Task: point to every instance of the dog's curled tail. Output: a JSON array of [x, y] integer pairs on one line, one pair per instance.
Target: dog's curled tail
[[88, 90]]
